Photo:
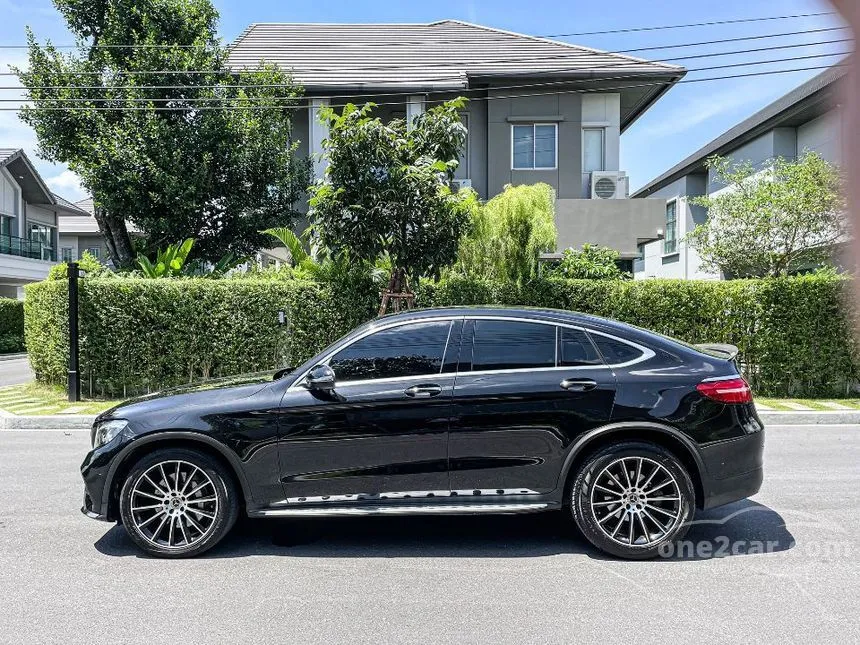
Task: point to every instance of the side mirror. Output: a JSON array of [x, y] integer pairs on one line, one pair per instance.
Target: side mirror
[[320, 378]]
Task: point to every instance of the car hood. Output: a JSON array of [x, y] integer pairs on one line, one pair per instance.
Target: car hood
[[199, 393]]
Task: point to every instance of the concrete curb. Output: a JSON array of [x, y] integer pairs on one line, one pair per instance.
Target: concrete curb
[[12, 357], [813, 417], [52, 422]]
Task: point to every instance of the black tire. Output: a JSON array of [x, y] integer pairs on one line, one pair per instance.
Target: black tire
[[213, 519], [634, 518]]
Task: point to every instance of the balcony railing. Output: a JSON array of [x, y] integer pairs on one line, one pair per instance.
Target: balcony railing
[[25, 248]]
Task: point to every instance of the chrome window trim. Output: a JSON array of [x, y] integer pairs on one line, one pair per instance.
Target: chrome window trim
[[646, 354]]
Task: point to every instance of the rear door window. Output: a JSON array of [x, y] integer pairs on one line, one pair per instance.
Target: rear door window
[[575, 348], [615, 351], [509, 344]]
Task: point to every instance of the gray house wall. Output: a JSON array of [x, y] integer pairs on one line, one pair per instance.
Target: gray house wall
[[608, 222]]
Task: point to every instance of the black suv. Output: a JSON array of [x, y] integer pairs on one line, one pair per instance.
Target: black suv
[[445, 411]]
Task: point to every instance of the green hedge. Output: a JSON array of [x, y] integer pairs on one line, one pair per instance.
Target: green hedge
[[794, 333], [142, 335], [11, 326]]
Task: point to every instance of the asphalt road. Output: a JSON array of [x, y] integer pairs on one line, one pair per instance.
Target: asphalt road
[[518, 579], [13, 372]]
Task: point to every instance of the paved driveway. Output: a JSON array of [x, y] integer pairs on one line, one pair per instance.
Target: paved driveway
[[15, 371], [519, 579]]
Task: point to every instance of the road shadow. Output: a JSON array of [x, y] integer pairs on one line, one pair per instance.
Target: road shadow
[[489, 536]]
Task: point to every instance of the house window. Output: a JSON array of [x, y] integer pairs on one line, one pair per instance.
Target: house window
[[95, 251], [534, 146], [5, 225], [68, 254], [44, 235], [670, 241], [593, 149], [462, 171]]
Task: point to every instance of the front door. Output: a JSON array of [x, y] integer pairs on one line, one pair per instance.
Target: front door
[[383, 430], [525, 390]]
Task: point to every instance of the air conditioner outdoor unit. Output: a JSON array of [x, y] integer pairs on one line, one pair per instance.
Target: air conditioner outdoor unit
[[609, 184], [461, 183]]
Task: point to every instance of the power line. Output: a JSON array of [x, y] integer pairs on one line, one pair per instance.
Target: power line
[[469, 40], [457, 77], [473, 99], [586, 53], [253, 99], [690, 24]]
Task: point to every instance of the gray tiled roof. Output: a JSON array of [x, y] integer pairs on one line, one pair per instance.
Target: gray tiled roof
[[62, 202], [766, 118], [438, 55], [6, 154]]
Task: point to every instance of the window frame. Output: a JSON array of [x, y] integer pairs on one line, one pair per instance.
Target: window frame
[[674, 203], [533, 125], [71, 251], [647, 352], [602, 131], [98, 252]]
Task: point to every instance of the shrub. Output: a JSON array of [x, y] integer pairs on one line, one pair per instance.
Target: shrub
[[142, 335], [592, 262], [11, 326], [794, 334]]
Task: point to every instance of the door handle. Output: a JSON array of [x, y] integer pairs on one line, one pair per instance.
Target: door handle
[[423, 391], [578, 385]]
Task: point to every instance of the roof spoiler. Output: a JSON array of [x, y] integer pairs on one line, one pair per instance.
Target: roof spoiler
[[729, 352]]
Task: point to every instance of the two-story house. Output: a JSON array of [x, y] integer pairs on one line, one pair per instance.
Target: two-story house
[[29, 214], [807, 118], [539, 110]]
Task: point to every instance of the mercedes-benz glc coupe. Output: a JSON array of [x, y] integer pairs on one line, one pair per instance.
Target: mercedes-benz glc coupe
[[442, 411]]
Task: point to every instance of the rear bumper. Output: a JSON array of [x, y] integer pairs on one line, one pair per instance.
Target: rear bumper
[[734, 469]]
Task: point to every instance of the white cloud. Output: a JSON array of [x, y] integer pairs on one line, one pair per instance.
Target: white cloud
[[695, 110], [68, 185]]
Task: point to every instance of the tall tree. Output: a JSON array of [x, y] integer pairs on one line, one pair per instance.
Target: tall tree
[[386, 188], [773, 221], [160, 133]]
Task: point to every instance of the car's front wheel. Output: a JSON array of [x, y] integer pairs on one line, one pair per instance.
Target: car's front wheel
[[178, 503], [632, 498]]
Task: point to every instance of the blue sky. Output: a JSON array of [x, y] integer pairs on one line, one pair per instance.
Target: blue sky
[[686, 118]]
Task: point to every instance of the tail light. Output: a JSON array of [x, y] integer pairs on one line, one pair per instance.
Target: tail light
[[732, 390]]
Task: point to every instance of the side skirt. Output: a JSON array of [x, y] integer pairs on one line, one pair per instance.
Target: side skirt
[[402, 509]]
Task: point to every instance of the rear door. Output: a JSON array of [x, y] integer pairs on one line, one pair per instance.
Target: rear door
[[525, 390]]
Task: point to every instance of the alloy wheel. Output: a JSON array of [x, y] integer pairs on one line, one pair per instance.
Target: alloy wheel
[[174, 504], [636, 501]]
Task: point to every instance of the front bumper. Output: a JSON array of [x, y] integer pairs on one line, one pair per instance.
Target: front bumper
[[96, 473], [734, 469]]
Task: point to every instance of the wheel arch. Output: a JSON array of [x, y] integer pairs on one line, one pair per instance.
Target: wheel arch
[[662, 435], [149, 443]]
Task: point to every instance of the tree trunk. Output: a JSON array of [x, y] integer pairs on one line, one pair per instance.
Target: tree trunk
[[117, 239]]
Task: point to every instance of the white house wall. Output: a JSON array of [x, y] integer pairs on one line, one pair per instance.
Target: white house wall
[[821, 135]]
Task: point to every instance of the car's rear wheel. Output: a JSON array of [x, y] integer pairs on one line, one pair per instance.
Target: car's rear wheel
[[178, 503], [631, 499]]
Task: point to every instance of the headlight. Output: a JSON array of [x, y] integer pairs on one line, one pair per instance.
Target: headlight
[[107, 431]]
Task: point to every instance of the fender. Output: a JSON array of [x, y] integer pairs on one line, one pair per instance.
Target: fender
[[582, 443], [173, 435]]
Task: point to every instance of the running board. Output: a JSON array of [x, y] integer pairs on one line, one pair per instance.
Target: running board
[[434, 509]]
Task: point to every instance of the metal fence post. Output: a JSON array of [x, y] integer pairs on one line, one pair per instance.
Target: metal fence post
[[74, 376]]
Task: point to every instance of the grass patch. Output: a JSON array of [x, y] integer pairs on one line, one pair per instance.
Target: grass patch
[[35, 399], [825, 405]]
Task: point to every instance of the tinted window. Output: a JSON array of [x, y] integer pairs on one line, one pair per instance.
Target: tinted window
[[407, 350], [504, 345], [614, 351], [574, 348]]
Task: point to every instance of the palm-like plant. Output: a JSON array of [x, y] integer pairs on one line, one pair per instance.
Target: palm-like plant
[[168, 263]]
